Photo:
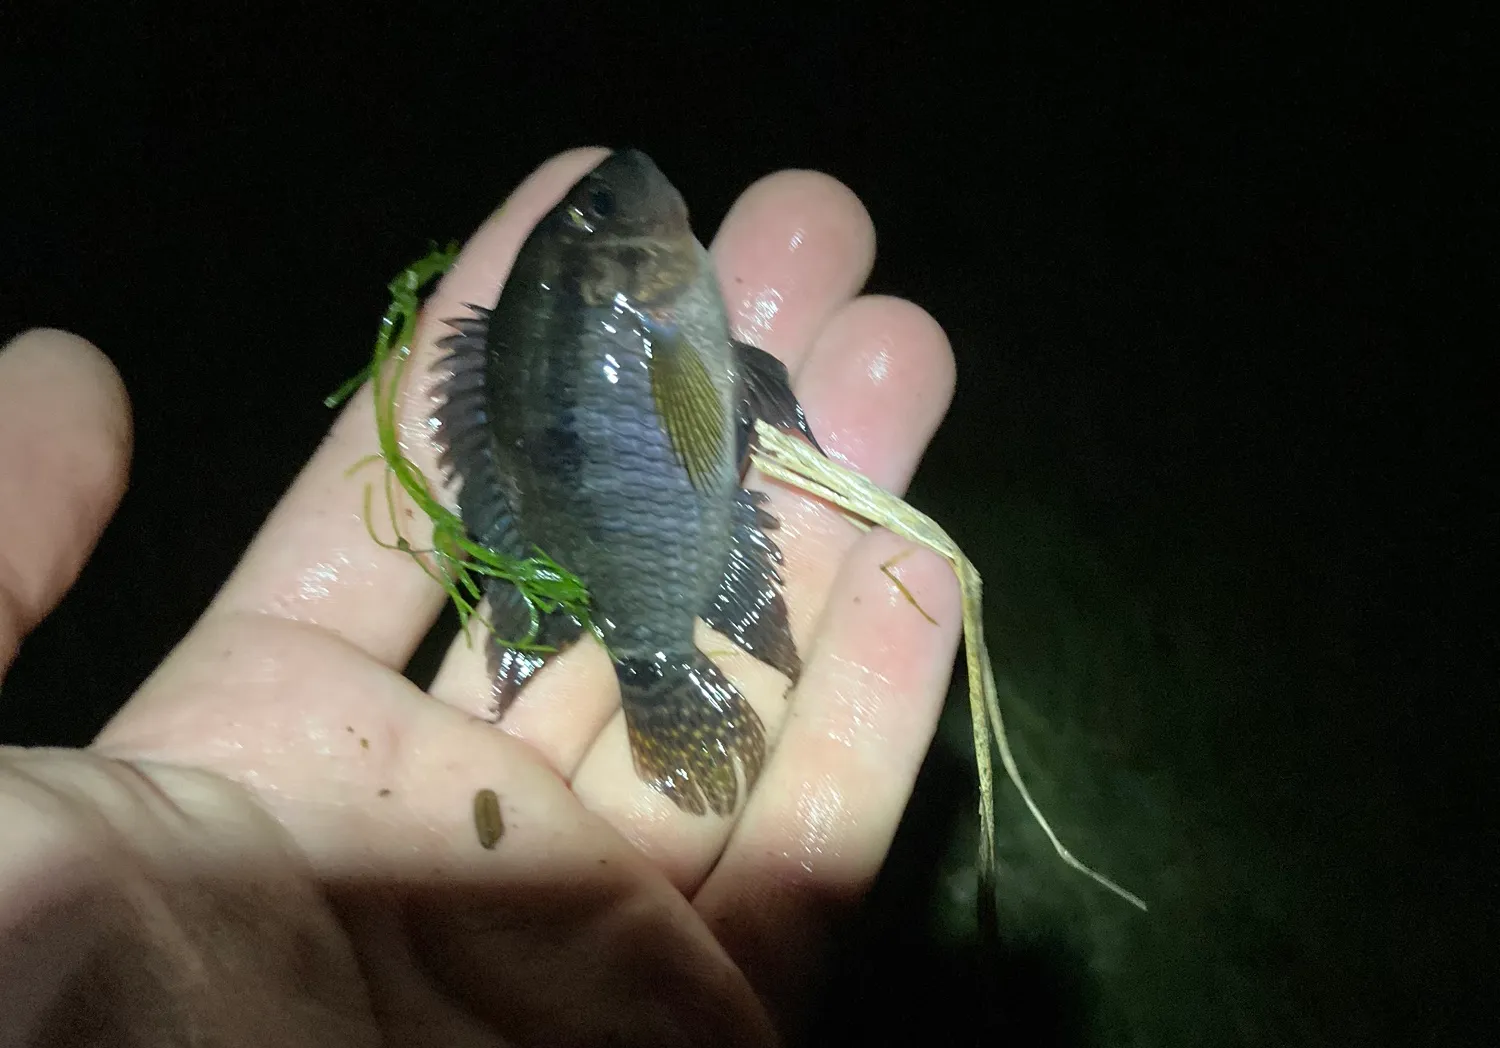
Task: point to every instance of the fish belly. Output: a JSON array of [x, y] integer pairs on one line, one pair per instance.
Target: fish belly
[[612, 502]]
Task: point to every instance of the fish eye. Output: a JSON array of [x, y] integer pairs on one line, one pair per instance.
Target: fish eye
[[601, 202]]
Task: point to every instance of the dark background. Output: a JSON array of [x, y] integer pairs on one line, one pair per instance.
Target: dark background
[[1205, 449]]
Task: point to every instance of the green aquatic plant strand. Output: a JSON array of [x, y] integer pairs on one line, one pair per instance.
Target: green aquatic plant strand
[[453, 560]]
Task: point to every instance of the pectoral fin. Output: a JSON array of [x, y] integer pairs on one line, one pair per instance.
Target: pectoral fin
[[748, 607], [689, 407]]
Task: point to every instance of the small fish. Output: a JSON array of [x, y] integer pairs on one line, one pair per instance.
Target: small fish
[[603, 413]]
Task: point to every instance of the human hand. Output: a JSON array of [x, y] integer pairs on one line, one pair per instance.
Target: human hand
[[273, 842]]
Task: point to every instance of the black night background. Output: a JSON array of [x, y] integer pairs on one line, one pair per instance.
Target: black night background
[[1195, 450]]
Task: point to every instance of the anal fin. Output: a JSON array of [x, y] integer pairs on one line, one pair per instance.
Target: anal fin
[[748, 606], [510, 619]]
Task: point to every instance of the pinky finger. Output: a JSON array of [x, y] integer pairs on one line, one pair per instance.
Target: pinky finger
[[822, 818]]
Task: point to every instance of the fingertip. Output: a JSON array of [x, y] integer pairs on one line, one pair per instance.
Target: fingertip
[[794, 247], [50, 358], [899, 345], [62, 400], [877, 386], [822, 204], [913, 326], [64, 458]]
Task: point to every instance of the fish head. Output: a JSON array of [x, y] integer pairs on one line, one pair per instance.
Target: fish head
[[622, 230]]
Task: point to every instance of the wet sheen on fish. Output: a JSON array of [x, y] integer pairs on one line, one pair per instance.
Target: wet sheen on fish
[[603, 413]]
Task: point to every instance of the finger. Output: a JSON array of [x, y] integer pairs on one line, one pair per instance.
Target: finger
[[64, 457], [817, 829], [314, 561], [884, 416], [793, 249], [875, 390], [791, 252]]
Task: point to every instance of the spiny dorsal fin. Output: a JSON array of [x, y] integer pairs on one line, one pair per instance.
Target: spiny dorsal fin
[[689, 406], [464, 438]]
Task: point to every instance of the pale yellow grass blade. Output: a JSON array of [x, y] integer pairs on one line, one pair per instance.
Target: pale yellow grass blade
[[793, 462]]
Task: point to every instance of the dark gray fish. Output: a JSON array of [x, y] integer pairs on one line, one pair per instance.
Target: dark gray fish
[[603, 413]]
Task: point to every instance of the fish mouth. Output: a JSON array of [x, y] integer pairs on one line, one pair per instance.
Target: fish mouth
[[637, 242], [637, 178], [632, 160]]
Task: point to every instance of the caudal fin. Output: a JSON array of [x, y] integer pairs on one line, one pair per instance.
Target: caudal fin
[[689, 727]]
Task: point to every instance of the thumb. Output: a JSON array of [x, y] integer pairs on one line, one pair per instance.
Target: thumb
[[64, 458]]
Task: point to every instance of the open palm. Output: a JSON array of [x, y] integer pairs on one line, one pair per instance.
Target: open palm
[[289, 822]]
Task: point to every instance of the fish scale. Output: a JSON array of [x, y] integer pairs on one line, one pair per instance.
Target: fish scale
[[643, 501]]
